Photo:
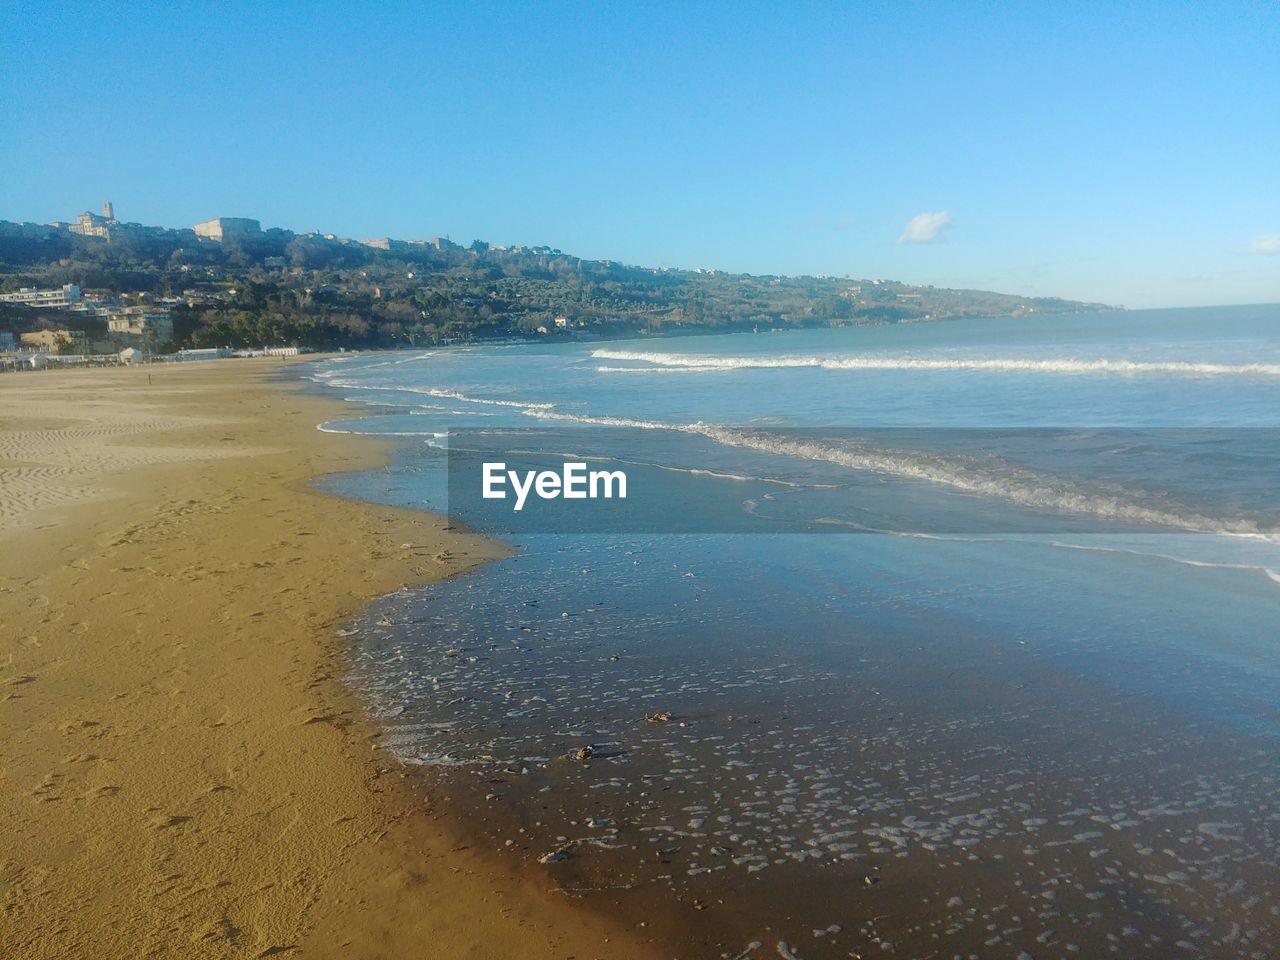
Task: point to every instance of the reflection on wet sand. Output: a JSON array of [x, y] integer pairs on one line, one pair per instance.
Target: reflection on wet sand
[[679, 738]]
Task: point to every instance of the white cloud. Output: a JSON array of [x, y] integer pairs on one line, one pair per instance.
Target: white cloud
[[924, 227], [1264, 243]]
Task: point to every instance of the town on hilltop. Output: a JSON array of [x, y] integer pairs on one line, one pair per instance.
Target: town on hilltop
[[104, 289]]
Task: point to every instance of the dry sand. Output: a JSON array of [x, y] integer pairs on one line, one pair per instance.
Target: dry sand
[[182, 774]]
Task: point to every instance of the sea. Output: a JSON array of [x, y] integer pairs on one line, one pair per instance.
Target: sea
[[948, 639]]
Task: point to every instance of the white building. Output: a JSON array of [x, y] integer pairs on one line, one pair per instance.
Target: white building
[[68, 296], [220, 228], [92, 225]]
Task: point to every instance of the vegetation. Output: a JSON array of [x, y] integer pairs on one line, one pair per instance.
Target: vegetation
[[278, 287]]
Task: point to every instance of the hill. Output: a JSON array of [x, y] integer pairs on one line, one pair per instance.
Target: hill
[[256, 286]]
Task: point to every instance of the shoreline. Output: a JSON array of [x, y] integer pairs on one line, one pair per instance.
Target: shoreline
[[186, 769]]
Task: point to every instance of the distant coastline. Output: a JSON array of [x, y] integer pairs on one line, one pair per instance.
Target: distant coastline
[[100, 285]]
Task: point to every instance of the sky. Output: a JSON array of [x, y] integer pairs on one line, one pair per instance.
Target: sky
[[1112, 152]]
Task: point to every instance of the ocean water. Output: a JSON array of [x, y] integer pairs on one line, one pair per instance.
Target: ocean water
[[1037, 714]]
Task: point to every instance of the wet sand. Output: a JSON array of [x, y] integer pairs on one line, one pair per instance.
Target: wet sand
[[183, 772], [905, 787]]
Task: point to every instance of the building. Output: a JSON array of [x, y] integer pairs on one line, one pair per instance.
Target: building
[[143, 322], [152, 323], [8, 343], [219, 228], [68, 296], [93, 225]]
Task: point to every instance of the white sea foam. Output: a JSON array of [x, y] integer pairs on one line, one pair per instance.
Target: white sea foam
[[1134, 551], [544, 414], [445, 395], [684, 362], [329, 428], [661, 369], [1257, 569], [990, 477], [987, 476]]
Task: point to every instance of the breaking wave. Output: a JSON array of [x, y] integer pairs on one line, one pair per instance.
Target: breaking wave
[[986, 476], [702, 363], [444, 395]]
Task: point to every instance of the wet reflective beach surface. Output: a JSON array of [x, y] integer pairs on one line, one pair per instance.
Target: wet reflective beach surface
[[675, 730]]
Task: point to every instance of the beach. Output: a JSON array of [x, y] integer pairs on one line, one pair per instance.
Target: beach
[[183, 772], [260, 700]]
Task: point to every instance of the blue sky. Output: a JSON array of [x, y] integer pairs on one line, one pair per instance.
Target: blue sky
[[1114, 152]]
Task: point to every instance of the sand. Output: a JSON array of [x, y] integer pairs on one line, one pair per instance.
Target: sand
[[182, 772]]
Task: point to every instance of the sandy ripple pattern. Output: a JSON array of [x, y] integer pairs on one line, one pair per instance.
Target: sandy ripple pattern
[[57, 452]]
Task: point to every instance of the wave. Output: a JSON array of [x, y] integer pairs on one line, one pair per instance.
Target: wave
[[328, 427], [986, 476], [990, 477], [982, 476], [701, 363], [444, 395], [1268, 572], [608, 369], [1257, 569]]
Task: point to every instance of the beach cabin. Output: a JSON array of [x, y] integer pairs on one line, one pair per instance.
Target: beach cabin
[[38, 361]]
